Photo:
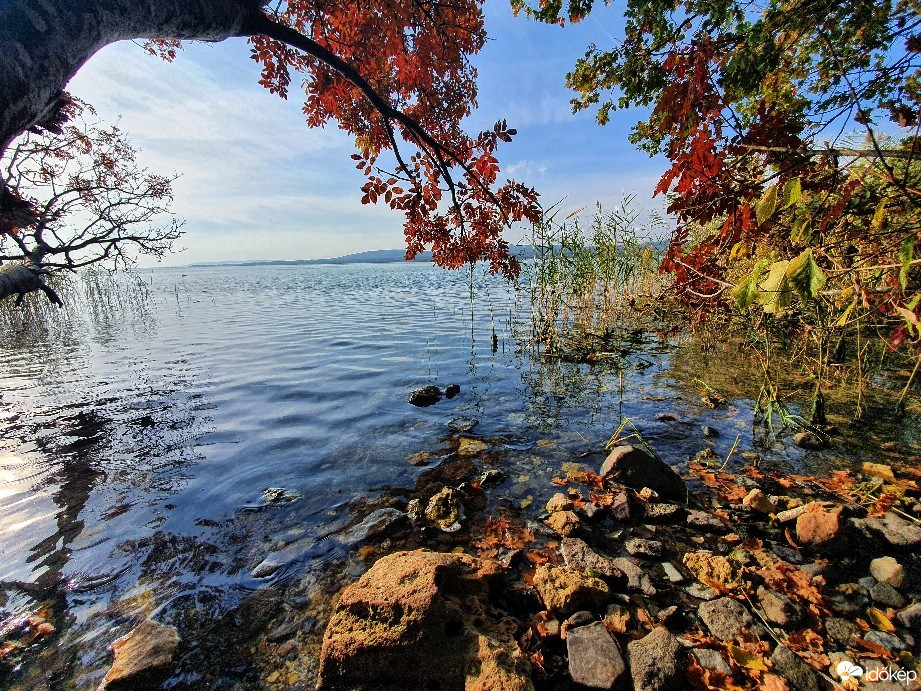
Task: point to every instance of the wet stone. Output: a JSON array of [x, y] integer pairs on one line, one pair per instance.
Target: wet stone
[[594, 658], [705, 521], [635, 467], [887, 640], [426, 396], [459, 425], [142, 656]]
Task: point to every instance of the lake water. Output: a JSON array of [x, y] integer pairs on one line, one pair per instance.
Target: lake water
[[136, 442]]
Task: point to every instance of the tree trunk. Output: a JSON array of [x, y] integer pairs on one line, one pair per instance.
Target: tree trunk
[[19, 279], [44, 42]]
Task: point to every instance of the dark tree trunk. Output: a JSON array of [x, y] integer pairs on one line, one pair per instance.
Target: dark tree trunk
[[21, 278], [44, 42]]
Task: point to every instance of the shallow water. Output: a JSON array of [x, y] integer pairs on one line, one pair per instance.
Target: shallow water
[[136, 442]]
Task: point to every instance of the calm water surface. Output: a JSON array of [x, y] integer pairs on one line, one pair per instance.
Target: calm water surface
[[135, 444]]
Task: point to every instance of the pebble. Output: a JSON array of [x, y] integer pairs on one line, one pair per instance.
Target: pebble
[[724, 617], [657, 661], [705, 521], [910, 617], [842, 631], [885, 594], [888, 570], [759, 501], [702, 592], [711, 659]]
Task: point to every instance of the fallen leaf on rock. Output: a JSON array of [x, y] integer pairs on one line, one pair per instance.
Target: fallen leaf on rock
[[879, 620], [705, 679], [746, 659], [772, 682], [810, 646], [875, 648]]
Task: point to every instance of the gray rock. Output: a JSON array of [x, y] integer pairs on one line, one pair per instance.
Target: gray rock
[[788, 554], [885, 594], [620, 507], [590, 511], [866, 582], [711, 659], [580, 618], [594, 658], [847, 606], [842, 631], [896, 531], [779, 609], [725, 617], [377, 523], [710, 431], [657, 661], [637, 579], [794, 670], [910, 617], [705, 521], [662, 512], [579, 556], [643, 548], [635, 467], [702, 592], [891, 643], [672, 572], [813, 569]]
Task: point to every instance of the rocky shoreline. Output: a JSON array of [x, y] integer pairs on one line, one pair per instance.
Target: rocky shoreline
[[634, 577]]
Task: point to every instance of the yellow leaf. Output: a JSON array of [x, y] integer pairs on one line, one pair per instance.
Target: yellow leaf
[[743, 658], [880, 620]]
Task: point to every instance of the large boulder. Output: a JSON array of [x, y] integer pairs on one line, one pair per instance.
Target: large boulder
[[420, 620], [635, 467], [143, 657]]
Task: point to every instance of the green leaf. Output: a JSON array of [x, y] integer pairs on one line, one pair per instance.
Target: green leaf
[[776, 294], [906, 252], [793, 191], [746, 292], [805, 275], [801, 232], [767, 205]]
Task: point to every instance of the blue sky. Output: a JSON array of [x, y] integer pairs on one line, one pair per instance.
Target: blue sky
[[258, 184]]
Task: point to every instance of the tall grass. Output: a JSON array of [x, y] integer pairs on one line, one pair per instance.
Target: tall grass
[[589, 275]]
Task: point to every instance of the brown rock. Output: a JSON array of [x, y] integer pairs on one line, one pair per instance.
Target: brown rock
[[142, 657], [579, 556], [564, 523], [559, 502], [565, 590], [636, 468], [594, 658], [416, 620], [759, 501], [818, 526]]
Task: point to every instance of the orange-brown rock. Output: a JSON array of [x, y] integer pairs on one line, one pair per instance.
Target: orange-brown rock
[[421, 619], [143, 657], [818, 526]]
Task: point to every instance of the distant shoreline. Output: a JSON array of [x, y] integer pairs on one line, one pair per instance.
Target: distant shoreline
[[369, 257]]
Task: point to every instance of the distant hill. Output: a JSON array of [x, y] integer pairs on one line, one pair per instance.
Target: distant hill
[[369, 257]]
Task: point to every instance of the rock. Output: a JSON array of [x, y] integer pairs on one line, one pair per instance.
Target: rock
[[420, 458], [891, 643], [460, 425], [705, 521], [565, 590], [665, 615], [445, 511], [713, 569], [885, 594], [646, 548], [711, 659], [794, 670], [590, 511], [279, 496], [407, 622], [779, 609], [866, 582], [143, 657], [374, 525], [759, 501], [594, 658], [579, 556], [580, 618], [560, 502], [657, 662], [620, 507], [702, 592], [910, 617], [842, 631], [788, 554], [665, 513], [635, 467], [451, 390], [671, 572], [637, 578], [808, 440], [879, 470], [888, 570], [710, 431], [470, 447], [667, 417], [617, 618], [896, 531], [426, 396], [725, 617], [564, 523], [491, 477], [791, 514], [282, 631], [818, 526], [813, 569]]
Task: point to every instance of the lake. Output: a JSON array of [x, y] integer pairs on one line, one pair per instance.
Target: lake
[[138, 439]]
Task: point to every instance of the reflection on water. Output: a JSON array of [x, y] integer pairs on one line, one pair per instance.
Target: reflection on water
[[136, 442]]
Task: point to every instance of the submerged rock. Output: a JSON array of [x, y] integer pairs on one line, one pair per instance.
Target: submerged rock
[[143, 657], [594, 658], [452, 390], [636, 468], [408, 623]]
